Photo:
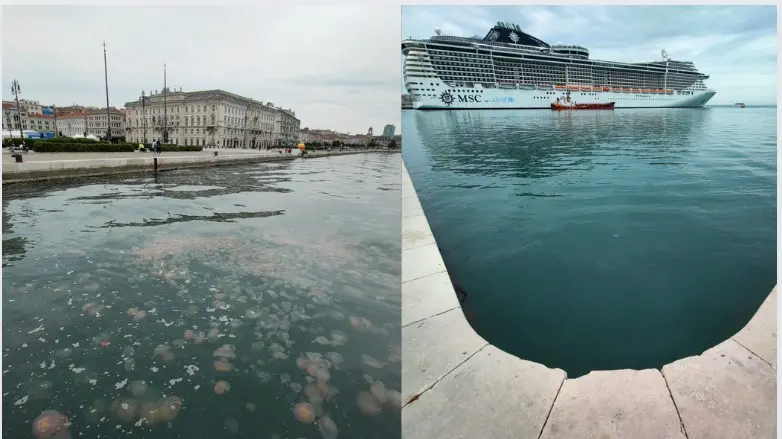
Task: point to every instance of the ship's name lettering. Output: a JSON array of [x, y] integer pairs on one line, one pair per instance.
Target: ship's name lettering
[[468, 98], [501, 99]]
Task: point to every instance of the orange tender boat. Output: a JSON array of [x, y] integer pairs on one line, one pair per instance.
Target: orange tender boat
[[604, 106]]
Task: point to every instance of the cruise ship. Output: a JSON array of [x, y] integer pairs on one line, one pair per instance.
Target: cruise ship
[[509, 68]]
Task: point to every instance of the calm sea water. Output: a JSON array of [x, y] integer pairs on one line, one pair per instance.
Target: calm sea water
[[606, 239], [287, 275]]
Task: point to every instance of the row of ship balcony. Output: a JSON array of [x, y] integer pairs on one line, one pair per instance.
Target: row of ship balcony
[[579, 88], [473, 41]]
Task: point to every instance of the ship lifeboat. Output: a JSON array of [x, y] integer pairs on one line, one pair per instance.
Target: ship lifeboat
[[606, 88], [600, 106]]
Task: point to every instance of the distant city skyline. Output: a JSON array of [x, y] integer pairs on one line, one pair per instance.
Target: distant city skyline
[[297, 57], [735, 45]]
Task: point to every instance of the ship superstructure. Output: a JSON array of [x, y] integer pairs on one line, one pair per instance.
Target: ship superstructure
[[509, 68]]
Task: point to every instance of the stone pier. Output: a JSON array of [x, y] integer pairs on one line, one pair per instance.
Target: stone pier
[[61, 165]]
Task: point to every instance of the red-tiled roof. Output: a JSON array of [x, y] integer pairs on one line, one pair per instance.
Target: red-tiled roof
[[73, 115]]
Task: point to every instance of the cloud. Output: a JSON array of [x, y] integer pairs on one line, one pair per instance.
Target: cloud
[[735, 45], [336, 66]]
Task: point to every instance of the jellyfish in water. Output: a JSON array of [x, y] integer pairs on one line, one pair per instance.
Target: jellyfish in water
[[335, 358], [361, 324], [226, 352], [394, 399], [371, 362], [137, 388], [51, 424], [368, 404], [322, 374], [304, 412], [188, 335], [232, 425], [149, 413], [222, 387], [169, 408], [164, 352], [338, 338], [125, 409], [199, 338], [328, 429], [222, 365], [378, 390]]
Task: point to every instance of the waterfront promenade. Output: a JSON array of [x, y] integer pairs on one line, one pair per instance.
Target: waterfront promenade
[[46, 166], [457, 385]]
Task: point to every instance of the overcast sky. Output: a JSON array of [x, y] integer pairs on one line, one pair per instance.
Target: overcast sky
[[336, 66], [735, 45]]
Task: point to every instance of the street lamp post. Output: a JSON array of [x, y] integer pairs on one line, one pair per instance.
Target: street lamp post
[[16, 89], [144, 115], [244, 140], [56, 131]]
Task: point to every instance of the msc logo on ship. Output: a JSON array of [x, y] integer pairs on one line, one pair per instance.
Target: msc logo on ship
[[448, 99]]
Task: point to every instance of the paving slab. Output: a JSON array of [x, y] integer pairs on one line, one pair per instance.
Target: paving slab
[[626, 404], [411, 207], [427, 297], [421, 261], [493, 395], [434, 347], [725, 393], [416, 232], [760, 334]]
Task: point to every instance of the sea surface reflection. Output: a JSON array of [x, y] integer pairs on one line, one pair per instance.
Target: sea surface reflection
[[596, 240]]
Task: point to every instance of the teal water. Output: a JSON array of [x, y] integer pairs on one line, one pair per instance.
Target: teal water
[[601, 240], [293, 268]]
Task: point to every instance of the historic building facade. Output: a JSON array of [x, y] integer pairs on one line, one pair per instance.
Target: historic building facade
[[73, 123], [98, 124], [32, 117], [212, 118]]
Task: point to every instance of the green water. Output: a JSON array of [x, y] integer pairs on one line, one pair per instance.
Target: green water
[[601, 240], [291, 264]]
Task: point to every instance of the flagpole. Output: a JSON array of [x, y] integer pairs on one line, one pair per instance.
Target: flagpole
[[165, 107], [106, 76]]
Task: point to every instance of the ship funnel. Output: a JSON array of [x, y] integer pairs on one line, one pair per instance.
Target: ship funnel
[[437, 30]]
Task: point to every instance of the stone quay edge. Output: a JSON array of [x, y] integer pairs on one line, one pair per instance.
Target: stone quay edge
[[56, 166]]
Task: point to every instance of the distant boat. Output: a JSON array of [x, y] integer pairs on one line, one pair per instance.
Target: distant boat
[[563, 107], [741, 105]]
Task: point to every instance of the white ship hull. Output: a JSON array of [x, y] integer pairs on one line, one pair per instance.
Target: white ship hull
[[440, 97]]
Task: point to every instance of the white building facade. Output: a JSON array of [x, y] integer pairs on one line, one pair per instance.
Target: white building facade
[[212, 118], [71, 124]]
